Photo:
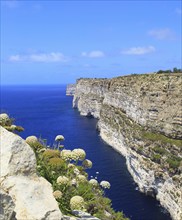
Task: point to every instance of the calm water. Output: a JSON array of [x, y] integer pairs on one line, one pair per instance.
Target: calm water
[[45, 111]]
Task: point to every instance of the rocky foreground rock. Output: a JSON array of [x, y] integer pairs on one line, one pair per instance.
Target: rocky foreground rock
[[141, 117], [24, 195]]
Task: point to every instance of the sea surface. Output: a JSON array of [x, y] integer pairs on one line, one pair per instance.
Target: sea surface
[[45, 111]]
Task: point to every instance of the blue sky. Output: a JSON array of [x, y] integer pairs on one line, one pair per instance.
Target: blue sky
[[56, 42]]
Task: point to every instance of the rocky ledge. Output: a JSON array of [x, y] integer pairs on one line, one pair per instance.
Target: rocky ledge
[[140, 116]]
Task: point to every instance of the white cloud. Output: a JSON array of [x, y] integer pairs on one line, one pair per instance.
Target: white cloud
[[84, 54], [161, 34], [39, 57], [89, 66], [139, 50], [15, 58], [93, 54]]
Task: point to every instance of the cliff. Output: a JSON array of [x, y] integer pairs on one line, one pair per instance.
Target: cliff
[[141, 117], [70, 89], [89, 96]]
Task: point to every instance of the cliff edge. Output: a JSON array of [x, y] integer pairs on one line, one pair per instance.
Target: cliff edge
[[141, 117]]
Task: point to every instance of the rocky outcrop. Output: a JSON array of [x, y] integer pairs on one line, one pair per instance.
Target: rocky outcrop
[[70, 89], [25, 195], [89, 95], [140, 116]]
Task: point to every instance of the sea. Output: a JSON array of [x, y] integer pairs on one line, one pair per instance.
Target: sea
[[45, 111]]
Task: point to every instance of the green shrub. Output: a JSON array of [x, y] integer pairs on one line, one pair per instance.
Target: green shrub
[[174, 162], [156, 157], [52, 167], [161, 138], [35, 145], [56, 163], [159, 150], [19, 128], [48, 154]]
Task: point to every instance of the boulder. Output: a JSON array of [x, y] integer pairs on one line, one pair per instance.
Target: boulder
[[30, 196], [6, 206]]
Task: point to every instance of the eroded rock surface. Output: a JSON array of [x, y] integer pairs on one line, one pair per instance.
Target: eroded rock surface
[[70, 89], [89, 95], [6, 206], [141, 117], [30, 195]]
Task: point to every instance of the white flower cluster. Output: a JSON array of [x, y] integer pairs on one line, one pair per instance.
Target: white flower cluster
[[76, 154], [105, 184], [59, 138], [73, 182], [87, 163], [93, 182], [13, 127], [57, 194], [31, 139], [81, 178], [79, 154], [62, 180], [77, 203], [70, 165], [66, 155], [76, 171], [4, 117], [39, 167]]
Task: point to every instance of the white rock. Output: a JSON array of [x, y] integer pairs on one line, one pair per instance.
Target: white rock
[[33, 198], [32, 195], [6, 206], [16, 156]]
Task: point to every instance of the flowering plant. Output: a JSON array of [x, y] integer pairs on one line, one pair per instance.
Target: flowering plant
[[65, 170], [105, 184]]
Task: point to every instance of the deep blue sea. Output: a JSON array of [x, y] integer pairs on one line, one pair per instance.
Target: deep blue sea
[[46, 111]]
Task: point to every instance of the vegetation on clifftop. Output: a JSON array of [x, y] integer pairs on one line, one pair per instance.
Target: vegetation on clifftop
[[155, 146], [73, 189], [7, 122], [175, 70]]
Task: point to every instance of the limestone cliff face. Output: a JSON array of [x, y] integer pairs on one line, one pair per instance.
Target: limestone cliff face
[[141, 117], [89, 95], [70, 89]]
